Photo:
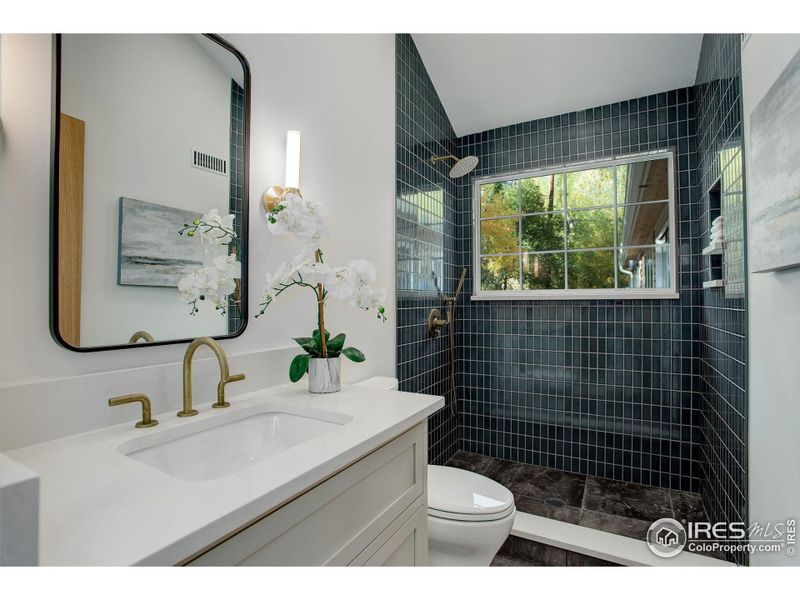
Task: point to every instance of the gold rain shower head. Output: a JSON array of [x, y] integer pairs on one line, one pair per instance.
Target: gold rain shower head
[[462, 165]]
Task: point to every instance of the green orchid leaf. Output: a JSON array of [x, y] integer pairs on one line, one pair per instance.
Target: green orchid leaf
[[317, 339], [308, 344], [298, 367], [336, 343], [354, 354]]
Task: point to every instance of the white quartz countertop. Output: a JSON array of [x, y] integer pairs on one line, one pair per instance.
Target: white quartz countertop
[[101, 507]]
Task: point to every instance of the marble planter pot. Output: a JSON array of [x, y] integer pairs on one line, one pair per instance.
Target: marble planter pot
[[324, 375]]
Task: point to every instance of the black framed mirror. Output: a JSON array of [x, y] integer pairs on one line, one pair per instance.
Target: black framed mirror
[[150, 171]]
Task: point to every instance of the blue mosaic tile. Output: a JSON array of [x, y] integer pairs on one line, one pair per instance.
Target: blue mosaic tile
[[722, 348], [426, 231], [236, 193], [599, 387]]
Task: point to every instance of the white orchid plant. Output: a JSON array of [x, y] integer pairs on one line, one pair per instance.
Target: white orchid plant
[[216, 279], [351, 283]]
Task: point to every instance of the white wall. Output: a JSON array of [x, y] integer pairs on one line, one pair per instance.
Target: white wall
[[774, 339], [337, 89], [147, 101]]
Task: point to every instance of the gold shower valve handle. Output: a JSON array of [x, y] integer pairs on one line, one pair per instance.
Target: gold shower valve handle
[[436, 323], [147, 420]]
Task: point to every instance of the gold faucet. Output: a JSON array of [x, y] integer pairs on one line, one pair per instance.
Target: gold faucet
[[141, 335], [147, 420], [224, 375]]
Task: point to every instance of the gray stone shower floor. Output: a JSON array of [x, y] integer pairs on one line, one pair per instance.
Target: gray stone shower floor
[[626, 509]]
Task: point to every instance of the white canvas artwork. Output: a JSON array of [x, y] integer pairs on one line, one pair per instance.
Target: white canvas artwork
[[150, 250], [774, 186]]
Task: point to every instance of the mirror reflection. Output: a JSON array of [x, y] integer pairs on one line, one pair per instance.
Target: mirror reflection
[[151, 176]]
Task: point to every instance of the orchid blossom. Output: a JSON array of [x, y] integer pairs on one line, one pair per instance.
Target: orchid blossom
[[351, 283], [216, 279]]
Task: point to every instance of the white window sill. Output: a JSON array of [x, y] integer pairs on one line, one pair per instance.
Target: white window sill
[[651, 294]]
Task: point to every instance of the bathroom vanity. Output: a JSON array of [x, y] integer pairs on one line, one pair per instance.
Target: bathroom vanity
[[281, 477], [372, 512]]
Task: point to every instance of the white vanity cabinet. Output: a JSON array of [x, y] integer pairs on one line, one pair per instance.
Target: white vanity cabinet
[[373, 512]]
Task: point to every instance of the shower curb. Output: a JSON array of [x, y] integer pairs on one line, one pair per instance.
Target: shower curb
[[603, 545]]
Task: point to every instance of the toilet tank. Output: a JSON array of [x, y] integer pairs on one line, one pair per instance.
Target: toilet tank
[[380, 383]]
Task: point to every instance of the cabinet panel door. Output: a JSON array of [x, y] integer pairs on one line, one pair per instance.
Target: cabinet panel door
[[408, 547], [333, 522]]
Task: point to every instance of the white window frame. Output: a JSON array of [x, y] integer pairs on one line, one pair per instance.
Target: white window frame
[[578, 294]]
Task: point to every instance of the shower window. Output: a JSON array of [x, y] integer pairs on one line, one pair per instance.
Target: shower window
[[592, 230]]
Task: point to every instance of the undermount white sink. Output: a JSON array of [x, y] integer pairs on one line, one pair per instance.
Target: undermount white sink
[[223, 445]]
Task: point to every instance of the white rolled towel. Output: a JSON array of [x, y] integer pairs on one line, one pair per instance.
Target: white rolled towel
[[718, 221]]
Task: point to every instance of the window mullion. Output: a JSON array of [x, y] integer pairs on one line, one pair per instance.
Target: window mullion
[[564, 214], [519, 229], [614, 224]]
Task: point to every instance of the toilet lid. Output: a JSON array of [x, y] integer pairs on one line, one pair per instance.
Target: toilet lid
[[462, 495]]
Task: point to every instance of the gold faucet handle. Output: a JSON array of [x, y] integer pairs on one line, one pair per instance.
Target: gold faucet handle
[[221, 402], [147, 420]]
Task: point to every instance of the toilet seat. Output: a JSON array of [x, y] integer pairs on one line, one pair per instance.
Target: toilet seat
[[459, 495]]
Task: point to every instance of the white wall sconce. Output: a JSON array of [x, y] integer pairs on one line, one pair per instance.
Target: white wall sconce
[[276, 193]]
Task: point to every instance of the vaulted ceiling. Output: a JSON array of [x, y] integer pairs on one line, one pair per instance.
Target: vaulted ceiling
[[492, 80]]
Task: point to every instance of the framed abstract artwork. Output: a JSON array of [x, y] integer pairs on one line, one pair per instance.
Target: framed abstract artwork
[[151, 252], [774, 185]]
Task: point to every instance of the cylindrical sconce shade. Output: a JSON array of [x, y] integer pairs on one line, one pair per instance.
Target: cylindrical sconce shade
[[293, 159]]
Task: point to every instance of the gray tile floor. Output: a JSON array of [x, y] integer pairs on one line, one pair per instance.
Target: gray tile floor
[[614, 506]]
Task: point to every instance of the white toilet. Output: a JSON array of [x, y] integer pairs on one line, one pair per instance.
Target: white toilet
[[469, 515]]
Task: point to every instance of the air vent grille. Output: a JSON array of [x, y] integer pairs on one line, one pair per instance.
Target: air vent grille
[[207, 162]]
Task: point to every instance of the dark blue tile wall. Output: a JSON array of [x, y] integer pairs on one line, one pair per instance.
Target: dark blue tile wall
[[236, 174], [426, 230], [601, 387], [723, 319]]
